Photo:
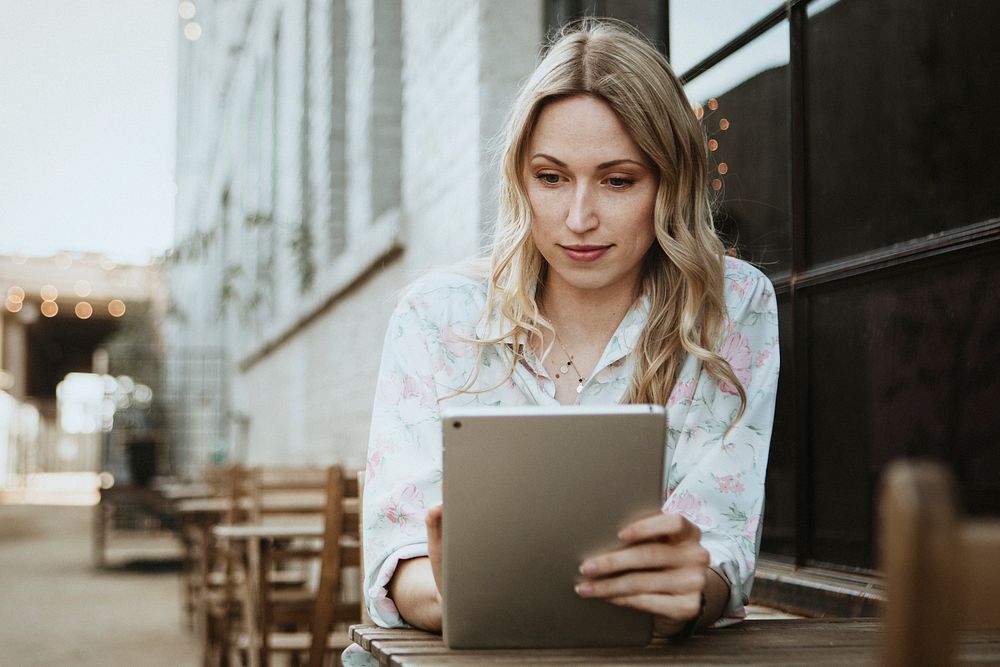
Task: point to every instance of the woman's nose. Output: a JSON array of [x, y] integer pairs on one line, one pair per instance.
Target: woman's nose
[[582, 214]]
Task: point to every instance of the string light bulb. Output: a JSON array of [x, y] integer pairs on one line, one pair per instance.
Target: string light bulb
[[84, 310]]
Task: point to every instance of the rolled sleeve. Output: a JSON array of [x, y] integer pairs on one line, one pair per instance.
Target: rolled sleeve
[[403, 477], [717, 481]]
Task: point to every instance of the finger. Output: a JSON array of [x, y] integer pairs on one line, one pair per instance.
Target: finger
[[645, 556], [670, 582], [672, 607], [666, 525], [433, 521]]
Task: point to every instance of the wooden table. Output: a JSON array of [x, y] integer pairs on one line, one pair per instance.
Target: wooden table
[[257, 542], [853, 641]]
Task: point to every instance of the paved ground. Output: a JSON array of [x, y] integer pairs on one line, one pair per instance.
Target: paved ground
[[56, 609]]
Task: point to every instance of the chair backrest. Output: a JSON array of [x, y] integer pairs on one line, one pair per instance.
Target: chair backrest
[[365, 618], [286, 491], [941, 570], [341, 548]]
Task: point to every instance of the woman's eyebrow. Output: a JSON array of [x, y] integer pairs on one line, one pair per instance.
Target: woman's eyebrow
[[615, 163], [603, 165], [549, 158]]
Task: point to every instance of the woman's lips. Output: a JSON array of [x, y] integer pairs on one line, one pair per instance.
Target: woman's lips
[[585, 253]]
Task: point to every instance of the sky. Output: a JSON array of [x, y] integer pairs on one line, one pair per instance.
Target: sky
[[697, 28], [88, 99]]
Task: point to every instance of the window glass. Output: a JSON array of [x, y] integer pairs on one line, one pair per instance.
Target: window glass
[[903, 364], [901, 141], [700, 27], [743, 102]]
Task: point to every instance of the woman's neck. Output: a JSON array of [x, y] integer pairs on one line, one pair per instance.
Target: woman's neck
[[585, 317]]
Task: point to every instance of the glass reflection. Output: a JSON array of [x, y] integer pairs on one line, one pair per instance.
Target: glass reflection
[[897, 95], [744, 109], [700, 27]]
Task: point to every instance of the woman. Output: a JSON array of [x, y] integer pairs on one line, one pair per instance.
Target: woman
[[606, 284]]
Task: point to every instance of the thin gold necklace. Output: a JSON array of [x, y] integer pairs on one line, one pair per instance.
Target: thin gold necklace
[[569, 364]]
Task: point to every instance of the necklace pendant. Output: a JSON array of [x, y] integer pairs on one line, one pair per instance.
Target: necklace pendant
[[564, 369], [579, 388]]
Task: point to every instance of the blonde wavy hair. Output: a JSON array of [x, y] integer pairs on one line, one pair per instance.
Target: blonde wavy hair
[[683, 273]]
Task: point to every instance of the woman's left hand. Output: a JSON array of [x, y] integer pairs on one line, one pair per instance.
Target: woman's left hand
[[662, 569]]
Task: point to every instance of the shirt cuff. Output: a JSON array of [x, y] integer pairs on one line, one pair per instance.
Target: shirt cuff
[[723, 562], [381, 608]]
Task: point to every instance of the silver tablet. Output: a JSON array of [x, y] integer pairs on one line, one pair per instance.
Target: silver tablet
[[529, 493]]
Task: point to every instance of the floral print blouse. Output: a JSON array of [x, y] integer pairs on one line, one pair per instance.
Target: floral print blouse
[[717, 482]]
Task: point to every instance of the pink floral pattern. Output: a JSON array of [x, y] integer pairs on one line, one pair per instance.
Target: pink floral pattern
[[689, 505], [682, 393], [405, 509], [716, 481], [736, 350], [729, 483]]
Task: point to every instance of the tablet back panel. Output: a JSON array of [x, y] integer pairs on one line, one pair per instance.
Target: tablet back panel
[[528, 494]]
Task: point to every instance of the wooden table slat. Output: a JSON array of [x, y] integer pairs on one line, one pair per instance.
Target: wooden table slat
[[765, 643]]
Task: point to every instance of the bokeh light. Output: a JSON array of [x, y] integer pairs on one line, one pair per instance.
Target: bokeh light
[[16, 293], [192, 31], [84, 310], [116, 308], [49, 308], [187, 10], [49, 293], [82, 288]]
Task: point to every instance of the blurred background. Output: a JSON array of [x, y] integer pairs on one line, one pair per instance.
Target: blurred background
[[208, 208]]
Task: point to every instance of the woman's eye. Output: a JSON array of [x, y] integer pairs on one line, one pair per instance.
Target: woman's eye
[[548, 179], [620, 182]]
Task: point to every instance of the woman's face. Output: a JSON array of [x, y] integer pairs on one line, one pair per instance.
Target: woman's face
[[592, 194]]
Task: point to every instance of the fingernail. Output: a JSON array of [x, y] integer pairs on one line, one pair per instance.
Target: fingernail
[[588, 568], [626, 534], [584, 589]]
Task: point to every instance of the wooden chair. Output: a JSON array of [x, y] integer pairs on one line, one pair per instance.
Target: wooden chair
[[219, 572], [191, 534], [286, 492], [365, 618], [270, 613], [942, 571]]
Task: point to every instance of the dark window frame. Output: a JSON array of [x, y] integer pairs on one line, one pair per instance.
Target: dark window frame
[[802, 280]]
